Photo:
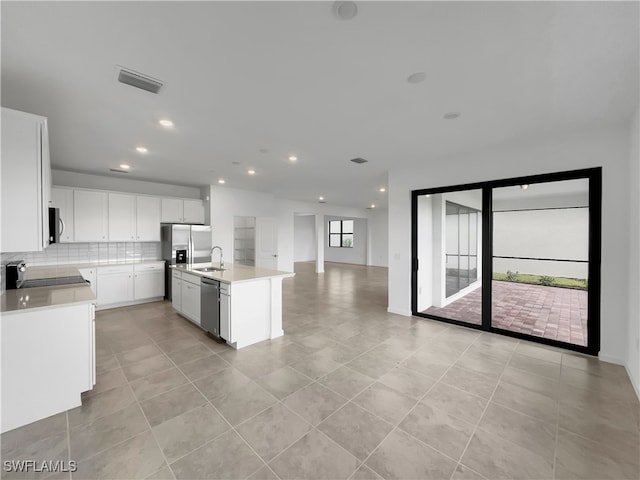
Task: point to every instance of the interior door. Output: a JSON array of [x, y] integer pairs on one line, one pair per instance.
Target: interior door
[[266, 243]]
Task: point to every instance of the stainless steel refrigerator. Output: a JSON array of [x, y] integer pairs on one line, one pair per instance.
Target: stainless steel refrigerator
[[194, 239]]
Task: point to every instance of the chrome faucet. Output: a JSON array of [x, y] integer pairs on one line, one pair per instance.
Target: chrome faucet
[[221, 258]]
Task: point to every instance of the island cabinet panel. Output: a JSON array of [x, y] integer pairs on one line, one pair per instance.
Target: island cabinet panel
[[48, 360], [250, 312], [176, 290]]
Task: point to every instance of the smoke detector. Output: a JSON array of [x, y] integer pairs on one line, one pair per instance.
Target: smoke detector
[[359, 160], [139, 80]]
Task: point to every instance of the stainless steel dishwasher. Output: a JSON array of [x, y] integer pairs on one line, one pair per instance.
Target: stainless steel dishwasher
[[210, 306]]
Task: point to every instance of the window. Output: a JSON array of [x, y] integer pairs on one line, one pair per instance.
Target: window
[[341, 233]]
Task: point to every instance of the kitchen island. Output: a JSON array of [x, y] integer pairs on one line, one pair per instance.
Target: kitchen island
[[250, 306], [48, 349]]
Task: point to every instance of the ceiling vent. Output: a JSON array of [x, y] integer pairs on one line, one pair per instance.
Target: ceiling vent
[[117, 170], [359, 160], [138, 80]]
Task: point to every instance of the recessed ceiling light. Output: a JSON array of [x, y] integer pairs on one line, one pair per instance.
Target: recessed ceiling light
[[373, 206], [293, 158], [417, 77], [345, 10], [524, 187], [382, 189], [124, 166], [320, 198], [141, 149], [166, 123], [451, 115], [251, 172], [221, 181]]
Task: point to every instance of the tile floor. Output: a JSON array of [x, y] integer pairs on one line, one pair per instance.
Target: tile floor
[[548, 312], [350, 391]]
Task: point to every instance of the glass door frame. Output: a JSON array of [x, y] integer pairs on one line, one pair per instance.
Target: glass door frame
[[594, 176]]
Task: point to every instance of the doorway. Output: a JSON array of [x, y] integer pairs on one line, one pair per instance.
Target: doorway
[[519, 256]]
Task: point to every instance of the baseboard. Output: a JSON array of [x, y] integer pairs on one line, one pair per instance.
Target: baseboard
[[128, 304], [610, 359], [404, 313], [634, 382]]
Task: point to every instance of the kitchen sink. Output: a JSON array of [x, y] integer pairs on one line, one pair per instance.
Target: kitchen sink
[[210, 269]]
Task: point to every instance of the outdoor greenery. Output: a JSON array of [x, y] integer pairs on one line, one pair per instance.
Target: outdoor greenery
[[512, 276], [546, 280]]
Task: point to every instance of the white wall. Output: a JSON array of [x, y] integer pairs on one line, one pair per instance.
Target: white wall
[[378, 244], [304, 238], [633, 348], [228, 202], [356, 254], [99, 182], [426, 251], [562, 233], [607, 148]]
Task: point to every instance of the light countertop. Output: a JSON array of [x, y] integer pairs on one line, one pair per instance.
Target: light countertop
[[71, 269], [13, 301], [233, 273]]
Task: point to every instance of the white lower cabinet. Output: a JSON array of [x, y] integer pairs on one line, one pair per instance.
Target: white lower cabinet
[[191, 297], [225, 312], [176, 290], [48, 360], [91, 275], [148, 281], [115, 284]]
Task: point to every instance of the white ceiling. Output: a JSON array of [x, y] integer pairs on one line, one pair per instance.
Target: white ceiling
[[290, 77]]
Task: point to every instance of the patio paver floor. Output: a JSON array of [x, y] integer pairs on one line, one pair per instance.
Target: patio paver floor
[[548, 312]]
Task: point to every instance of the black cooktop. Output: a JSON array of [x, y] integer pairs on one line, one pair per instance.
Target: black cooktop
[[48, 282]]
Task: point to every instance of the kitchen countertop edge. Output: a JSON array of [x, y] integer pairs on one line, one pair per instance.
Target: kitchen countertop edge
[[258, 273]]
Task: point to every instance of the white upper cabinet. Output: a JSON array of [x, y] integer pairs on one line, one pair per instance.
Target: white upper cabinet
[[172, 210], [26, 182], [90, 216], [122, 217], [193, 211], [62, 198], [148, 219], [175, 210]]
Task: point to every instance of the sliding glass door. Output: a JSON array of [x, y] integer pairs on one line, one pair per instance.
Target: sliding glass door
[[541, 260], [448, 275], [518, 256]]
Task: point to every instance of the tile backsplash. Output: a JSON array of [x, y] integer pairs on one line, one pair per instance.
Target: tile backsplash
[[65, 253]]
